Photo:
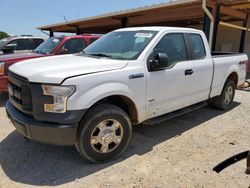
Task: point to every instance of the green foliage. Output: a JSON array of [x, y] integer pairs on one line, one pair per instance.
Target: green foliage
[[3, 35]]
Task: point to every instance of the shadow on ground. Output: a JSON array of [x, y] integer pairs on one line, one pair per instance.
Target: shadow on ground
[[34, 163]]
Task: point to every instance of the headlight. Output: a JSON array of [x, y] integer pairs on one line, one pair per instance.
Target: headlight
[[60, 95], [1, 68]]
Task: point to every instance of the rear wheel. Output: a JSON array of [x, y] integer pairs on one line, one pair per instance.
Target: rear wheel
[[104, 133], [225, 100]]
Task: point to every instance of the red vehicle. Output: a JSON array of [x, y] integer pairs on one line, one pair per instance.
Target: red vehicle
[[52, 46]]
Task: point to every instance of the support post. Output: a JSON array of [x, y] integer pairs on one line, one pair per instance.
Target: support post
[[78, 31], [216, 25], [206, 24], [51, 33], [124, 22], [244, 35]]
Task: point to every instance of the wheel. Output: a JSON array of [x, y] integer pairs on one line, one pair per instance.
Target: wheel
[[225, 100], [104, 133]]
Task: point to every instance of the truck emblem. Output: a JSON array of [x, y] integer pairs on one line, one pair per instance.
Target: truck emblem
[[10, 90], [133, 76]]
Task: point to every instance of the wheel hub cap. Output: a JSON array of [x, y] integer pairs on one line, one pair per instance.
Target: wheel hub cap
[[228, 95], [106, 136]]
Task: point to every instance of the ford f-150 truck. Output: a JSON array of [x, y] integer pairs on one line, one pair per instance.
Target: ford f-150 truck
[[127, 77], [52, 46]]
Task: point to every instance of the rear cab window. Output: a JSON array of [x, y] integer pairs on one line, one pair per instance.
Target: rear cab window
[[197, 47]]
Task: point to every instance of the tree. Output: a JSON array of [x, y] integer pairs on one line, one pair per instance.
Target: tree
[[3, 35]]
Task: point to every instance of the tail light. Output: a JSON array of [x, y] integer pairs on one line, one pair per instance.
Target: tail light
[[2, 68]]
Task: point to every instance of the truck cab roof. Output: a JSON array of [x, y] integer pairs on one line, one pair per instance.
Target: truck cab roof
[[159, 28]]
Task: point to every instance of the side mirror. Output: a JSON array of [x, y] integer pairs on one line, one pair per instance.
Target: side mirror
[[63, 51], [160, 62], [9, 48]]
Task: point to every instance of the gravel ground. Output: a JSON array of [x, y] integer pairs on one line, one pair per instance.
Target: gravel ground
[[177, 153]]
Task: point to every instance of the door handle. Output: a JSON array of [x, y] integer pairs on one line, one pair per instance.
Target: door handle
[[189, 72]]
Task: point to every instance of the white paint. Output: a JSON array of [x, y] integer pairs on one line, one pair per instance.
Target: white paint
[[154, 94]]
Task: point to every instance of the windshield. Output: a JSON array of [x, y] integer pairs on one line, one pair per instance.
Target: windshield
[[2, 42], [49, 45], [126, 45]]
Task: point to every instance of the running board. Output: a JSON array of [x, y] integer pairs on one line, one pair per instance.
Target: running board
[[174, 114]]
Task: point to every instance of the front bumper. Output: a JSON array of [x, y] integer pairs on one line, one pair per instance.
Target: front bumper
[[4, 83], [46, 132]]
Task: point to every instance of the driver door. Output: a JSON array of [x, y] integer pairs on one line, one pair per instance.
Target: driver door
[[169, 89]]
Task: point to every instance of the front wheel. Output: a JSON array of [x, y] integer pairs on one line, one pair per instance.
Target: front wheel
[[104, 133], [225, 100]]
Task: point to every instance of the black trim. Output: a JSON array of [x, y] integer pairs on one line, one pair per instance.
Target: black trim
[[175, 114], [60, 134], [188, 46]]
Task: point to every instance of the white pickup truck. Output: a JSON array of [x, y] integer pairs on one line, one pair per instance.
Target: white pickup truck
[[129, 76]]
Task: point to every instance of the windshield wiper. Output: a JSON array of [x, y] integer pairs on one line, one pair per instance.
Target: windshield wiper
[[38, 52], [101, 55]]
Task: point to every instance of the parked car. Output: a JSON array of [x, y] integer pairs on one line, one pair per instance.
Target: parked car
[[52, 46], [24, 43], [129, 76]]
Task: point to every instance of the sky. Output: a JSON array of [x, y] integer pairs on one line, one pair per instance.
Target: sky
[[18, 17]]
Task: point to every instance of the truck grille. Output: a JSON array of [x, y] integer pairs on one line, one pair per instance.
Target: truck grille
[[19, 93]]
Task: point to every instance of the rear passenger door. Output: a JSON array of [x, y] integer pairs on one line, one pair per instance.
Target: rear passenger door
[[201, 67]]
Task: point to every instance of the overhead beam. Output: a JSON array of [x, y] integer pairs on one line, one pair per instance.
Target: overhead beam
[[228, 11], [234, 26]]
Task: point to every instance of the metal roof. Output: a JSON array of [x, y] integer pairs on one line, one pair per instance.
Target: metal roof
[[174, 13]]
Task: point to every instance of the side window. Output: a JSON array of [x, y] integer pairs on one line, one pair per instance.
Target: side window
[[74, 45], [198, 50], [20, 44], [37, 42], [174, 46]]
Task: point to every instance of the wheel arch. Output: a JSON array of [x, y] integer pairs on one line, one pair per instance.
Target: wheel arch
[[234, 77], [123, 102]]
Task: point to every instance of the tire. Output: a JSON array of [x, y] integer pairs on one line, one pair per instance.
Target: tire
[[104, 133], [224, 101]]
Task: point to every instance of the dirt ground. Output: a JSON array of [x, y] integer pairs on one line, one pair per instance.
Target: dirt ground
[[177, 153]]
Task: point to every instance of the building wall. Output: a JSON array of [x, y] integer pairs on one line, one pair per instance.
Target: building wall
[[228, 39]]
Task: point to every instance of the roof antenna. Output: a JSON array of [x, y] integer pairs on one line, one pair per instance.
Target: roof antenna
[[44, 32], [64, 17]]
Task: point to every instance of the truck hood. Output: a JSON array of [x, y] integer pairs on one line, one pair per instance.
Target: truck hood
[[55, 69]]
